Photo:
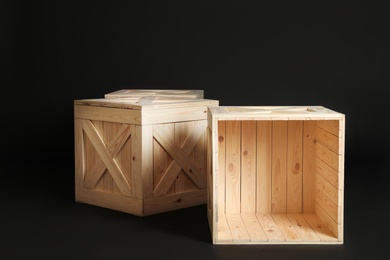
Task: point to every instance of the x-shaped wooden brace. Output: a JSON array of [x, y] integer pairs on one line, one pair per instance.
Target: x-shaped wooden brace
[[181, 159], [107, 155]]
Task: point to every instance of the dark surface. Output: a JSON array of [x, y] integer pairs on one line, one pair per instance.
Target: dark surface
[[267, 53]]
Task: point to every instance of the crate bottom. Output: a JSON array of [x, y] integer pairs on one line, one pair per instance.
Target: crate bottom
[[273, 229]]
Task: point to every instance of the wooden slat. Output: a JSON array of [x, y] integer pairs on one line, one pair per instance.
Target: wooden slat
[[328, 140], [294, 166], [320, 228], [174, 201], [253, 227], [223, 233], [248, 167], [327, 205], [331, 126], [177, 153], [270, 228], [110, 201], [263, 180], [327, 172], [221, 167], [159, 115], [146, 151], [111, 165], [79, 152], [330, 223], [108, 114], [286, 227], [327, 156], [237, 228], [233, 198], [279, 167], [107, 131], [308, 173], [327, 189], [305, 231]]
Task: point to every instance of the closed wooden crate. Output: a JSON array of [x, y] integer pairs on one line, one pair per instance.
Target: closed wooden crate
[[141, 157], [158, 94], [276, 175]]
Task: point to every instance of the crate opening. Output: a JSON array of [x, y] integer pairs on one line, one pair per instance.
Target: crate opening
[[279, 181]]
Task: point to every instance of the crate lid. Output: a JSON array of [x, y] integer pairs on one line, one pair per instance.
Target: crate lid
[[167, 93], [274, 112], [146, 102]]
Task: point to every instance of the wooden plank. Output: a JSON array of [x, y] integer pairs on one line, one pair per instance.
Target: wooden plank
[[320, 228], [294, 162], [308, 171], [327, 172], [328, 140], [327, 156], [279, 167], [221, 167], [305, 231], [237, 228], [108, 114], [171, 115], [253, 227], [330, 223], [327, 189], [263, 180], [248, 167], [174, 201], [223, 231], [106, 131], [177, 153], [332, 126], [111, 165], [79, 152], [233, 198], [145, 149], [110, 201], [270, 228], [327, 205], [168, 93], [286, 227]]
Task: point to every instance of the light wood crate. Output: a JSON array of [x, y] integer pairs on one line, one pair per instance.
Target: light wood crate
[[158, 94], [276, 175], [141, 157]]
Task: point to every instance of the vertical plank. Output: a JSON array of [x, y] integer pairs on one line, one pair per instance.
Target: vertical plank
[[124, 159], [91, 156], [308, 174], [200, 154], [294, 162], [263, 182], [221, 167], [233, 152], [248, 167], [79, 153], [279, 167], [145, 188], [107, 131]]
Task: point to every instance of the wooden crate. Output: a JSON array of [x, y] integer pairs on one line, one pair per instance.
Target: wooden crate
[[159, 94], [276, 175], [141, 157]]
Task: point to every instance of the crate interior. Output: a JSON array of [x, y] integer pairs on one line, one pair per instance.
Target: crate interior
[[279, 181]]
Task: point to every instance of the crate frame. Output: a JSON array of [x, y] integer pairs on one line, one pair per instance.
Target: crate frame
[[265, 226], [123, 138], [170, 94]]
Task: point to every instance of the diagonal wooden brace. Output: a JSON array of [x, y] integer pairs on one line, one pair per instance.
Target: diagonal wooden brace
[[107, 155]]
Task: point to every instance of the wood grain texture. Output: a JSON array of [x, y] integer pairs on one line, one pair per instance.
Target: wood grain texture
[[303, 228], [253, 227], [286, 227], [108, 114], [237, 228], [222, 167], [327, 172], [264, 162], [79, 153], [223, 234], [279, 167], [146, 161], [332, 126], [328, 140], [233, 161], [308, 174], [320, 228], [270, 228], [294, 166], [248, 166], [327, 156]]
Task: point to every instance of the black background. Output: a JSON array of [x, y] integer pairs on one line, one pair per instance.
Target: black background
[[334, 54]]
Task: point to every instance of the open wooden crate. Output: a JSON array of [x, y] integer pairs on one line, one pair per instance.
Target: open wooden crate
[[141, 156], [158, 94], [276, 175]]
